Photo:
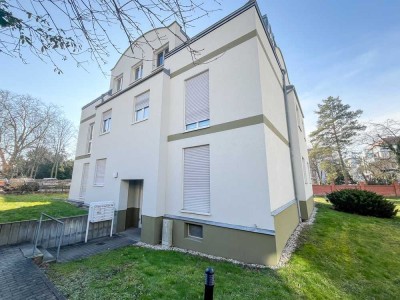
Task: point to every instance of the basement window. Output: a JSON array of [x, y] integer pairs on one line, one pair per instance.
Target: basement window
[[195, 231]]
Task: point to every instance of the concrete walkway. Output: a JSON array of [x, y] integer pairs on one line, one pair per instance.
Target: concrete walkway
[[21, 279], [82, 250]]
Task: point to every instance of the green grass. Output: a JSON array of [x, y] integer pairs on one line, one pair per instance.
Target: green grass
[[28, 207], [397, 202], [342, 256]]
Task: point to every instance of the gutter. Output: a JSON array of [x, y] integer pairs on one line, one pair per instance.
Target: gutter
[[285, 90]]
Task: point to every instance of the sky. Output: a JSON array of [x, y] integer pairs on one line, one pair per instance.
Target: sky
[[334, 48]]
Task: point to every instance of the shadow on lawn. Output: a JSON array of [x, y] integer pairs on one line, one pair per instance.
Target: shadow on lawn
[[24, 213], [14, 208]]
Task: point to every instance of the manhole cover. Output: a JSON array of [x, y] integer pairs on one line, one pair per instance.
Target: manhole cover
[[101, 243]]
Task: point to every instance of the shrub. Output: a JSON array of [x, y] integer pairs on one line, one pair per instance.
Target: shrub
[[21, 186], [363, 203]]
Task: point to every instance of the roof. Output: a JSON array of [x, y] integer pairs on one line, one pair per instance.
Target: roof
[[247, 6], [250, 4]]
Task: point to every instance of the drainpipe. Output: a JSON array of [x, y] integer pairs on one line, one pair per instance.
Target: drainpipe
[[292, 156]]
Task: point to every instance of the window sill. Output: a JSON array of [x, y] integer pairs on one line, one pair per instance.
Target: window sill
[[156, 68], [104, 133], [136, 81], [194, 212], [194, 239], [116, 92], [190, 130], [136, 122], [98, 185]]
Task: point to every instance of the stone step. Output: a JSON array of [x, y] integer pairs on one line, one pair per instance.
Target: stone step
[[27, 251], [47, 257]]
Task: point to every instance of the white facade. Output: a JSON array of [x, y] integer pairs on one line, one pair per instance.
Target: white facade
[[249, 163]]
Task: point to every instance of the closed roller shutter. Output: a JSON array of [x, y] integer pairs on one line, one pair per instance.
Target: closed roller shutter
[[196, 185], [142, 101], [100, 172], [197, 99]]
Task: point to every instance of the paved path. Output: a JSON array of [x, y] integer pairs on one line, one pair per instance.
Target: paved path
[[21, 279], [82, 250]]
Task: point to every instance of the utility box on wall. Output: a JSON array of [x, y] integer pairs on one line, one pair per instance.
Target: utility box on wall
[[167, 233]]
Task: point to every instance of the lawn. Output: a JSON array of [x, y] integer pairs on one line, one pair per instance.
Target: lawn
[[397, 202], [28, 207], [342, 256]]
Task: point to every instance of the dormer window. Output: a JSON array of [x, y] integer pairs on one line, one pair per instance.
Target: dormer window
[[118, 83], [161, 56], [139, 72]]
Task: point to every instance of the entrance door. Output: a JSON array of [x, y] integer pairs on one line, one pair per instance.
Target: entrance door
[[134, 204]]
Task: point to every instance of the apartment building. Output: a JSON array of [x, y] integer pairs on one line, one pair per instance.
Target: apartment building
[[213, 142]]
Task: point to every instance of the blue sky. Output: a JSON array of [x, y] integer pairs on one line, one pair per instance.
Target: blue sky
[[332, 48]]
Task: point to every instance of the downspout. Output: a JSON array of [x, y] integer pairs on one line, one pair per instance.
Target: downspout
[[290, 143]]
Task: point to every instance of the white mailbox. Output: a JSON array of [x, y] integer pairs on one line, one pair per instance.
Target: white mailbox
[[100, 211]]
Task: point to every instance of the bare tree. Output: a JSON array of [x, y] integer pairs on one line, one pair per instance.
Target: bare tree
[[383, 144], [24, 122], [78, 29], [60, 135], [386, 135]]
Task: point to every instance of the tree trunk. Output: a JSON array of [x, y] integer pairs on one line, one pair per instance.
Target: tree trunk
[[342, 165], [56, 170]]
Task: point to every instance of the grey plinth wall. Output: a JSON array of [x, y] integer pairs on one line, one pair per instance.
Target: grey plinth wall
[[74, 231]]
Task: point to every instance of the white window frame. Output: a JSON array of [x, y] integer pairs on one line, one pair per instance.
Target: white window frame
[[95, 183], [197, 125], [90, 138], [143, 110], [106, 129], [118, 82], [164, 50], [140, 68]]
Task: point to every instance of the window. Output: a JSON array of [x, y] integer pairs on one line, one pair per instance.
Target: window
[[304, 170], [161, 57], [106, 123], [196, 179], [85, 173], [142, 107], [197, 111], [90, 138], [100, 172], [195, 231], [309, 172], [298, 117], [118, 83], [139, 72]]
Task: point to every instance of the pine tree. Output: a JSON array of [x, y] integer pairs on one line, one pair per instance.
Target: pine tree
[[337, 125]]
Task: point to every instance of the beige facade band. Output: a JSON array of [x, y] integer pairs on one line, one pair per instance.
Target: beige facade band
[[259, 119], [82, 156], [88, 118], [219, 51]]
